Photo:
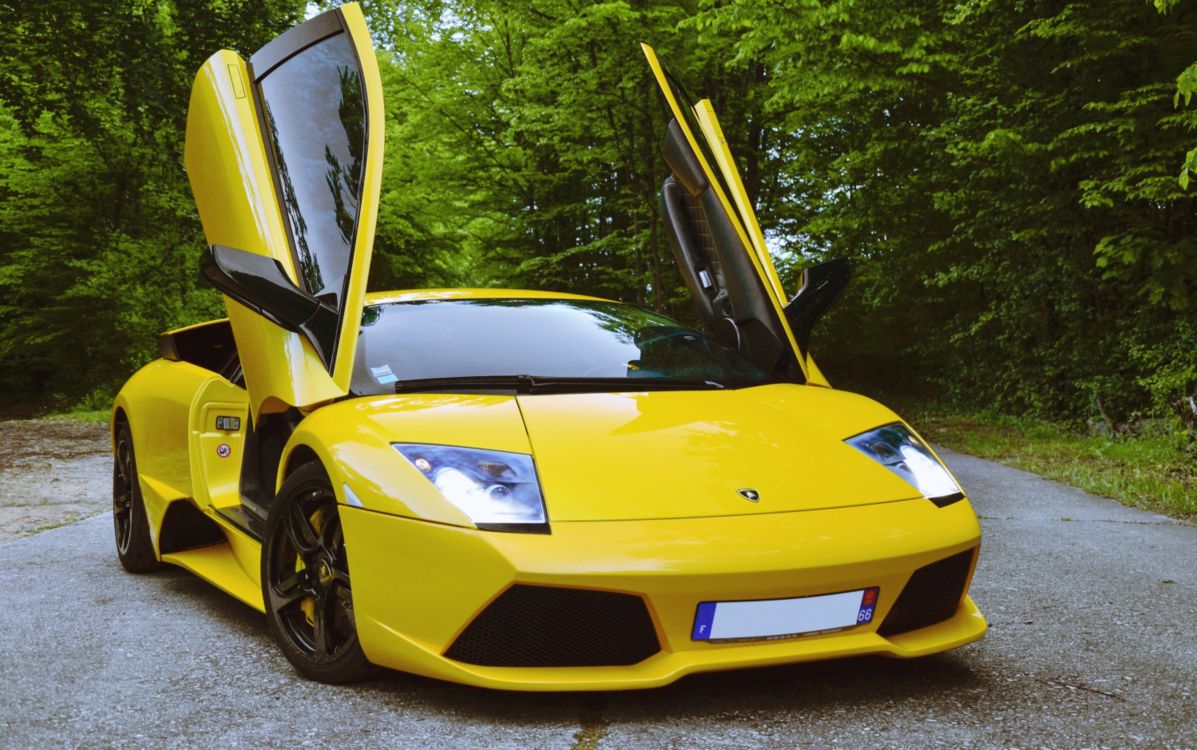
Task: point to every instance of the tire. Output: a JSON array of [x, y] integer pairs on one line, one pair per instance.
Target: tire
[[305, 581], [132, 529]]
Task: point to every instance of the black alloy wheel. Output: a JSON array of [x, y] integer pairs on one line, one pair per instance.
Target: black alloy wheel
[[129, 522], [305, 581]]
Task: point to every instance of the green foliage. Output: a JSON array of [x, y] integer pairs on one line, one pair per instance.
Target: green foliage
[[1186, 85], [1002, 174], [99, 240], [1154, 468]]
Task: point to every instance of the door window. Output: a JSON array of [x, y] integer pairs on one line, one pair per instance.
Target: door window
[[315, 115]]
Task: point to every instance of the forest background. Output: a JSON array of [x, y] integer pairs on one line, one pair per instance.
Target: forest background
[[1010, 179]]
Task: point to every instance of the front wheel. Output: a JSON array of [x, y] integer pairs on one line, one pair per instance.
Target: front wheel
[[305, 581]]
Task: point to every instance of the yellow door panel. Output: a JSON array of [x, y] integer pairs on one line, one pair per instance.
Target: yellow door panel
[[218, 422], [284, 154]]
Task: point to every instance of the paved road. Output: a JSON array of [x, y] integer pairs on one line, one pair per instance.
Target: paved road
[[1093, 607]]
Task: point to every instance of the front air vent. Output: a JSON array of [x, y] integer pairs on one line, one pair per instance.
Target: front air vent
[[542, 626], [931, 596]]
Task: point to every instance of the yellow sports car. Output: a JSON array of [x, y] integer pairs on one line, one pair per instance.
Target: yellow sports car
[[514, 489]]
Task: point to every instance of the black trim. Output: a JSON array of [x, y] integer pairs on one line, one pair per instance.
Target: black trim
[[687, 105], [260, 283], [822, 285], [247, 522], [264, 444], [293, 41], [946, 500], [167, 348], [526, 528], [186, 527], [682, 161], [208, 345]]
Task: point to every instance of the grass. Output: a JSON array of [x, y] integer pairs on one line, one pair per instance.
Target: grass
[[1150, 471], [73, 518], [84, 415]]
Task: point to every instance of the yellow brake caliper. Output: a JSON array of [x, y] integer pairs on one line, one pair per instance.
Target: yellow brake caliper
[[308, 604]]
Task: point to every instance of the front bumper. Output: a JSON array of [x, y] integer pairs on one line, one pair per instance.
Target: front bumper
[[418, 585]]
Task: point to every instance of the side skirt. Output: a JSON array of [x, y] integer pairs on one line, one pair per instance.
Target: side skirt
[[232, 567]]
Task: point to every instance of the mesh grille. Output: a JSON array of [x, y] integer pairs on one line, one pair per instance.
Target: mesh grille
[[541, 626], [700, 232], [932, 595]]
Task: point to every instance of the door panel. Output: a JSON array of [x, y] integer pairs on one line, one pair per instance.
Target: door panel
[[218, 422], [717, 241], [284, 155]]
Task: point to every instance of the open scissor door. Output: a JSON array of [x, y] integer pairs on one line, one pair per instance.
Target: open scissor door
[[716, 240], [284, 154]]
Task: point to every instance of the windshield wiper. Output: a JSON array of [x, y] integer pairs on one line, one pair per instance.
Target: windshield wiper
[[541, 384], [518, 383]]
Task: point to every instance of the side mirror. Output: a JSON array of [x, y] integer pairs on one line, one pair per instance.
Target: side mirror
[[260, 283], [818, 289]]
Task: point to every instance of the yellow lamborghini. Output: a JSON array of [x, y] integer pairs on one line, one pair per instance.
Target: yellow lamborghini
[[514, 489]]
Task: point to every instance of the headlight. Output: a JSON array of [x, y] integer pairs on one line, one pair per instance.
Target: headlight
[[498, 490], [896, 448]]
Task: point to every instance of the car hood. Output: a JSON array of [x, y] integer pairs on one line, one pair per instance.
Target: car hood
[[670, 454]]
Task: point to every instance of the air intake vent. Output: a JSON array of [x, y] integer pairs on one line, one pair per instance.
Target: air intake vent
[[932, 595], [541, 626]]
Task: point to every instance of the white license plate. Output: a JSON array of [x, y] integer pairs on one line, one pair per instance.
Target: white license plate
[[783, 618]]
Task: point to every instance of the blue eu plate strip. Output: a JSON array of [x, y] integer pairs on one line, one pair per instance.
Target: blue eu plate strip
[[703, 620]]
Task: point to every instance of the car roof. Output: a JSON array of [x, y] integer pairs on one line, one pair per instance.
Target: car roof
[[413, 295]]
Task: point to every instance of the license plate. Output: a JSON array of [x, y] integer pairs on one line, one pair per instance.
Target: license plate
[[765, 619]]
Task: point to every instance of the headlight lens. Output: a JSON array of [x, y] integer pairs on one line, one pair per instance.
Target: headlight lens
[[496, 489], [896, 448]]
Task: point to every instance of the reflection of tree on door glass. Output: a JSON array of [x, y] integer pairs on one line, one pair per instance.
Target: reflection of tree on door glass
[[348, 178], [308, 270], [315, 107]]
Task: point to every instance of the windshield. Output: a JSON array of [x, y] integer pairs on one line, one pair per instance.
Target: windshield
[[543, 338]]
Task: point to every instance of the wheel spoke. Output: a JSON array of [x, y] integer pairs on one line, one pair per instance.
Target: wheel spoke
[[122, 462], [292, 585], [335, 538], [323, 624], [284, 596], [301, 533], [283, 602], [313, 605], [345, 605]]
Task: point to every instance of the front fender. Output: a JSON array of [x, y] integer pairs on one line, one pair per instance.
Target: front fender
[[353, 438]]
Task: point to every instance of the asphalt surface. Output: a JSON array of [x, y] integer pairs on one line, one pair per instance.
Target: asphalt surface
[[1093, 609]]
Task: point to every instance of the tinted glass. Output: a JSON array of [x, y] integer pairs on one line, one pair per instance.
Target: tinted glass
[[546, 338], [316, 115]]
